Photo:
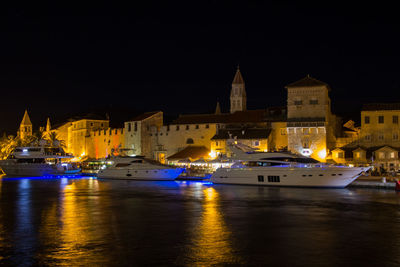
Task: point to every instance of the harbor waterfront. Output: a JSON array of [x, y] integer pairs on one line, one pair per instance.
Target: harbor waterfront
[[85, 221]]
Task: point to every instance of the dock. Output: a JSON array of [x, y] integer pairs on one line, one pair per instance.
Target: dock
[[377, 182]]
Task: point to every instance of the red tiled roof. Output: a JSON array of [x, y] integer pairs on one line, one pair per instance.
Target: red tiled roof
[[144, 116]]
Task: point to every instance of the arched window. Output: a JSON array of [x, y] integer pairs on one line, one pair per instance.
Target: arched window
[[189, 141]]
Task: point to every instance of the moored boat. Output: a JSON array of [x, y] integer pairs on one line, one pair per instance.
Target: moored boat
[[38, 161], [138, 168], [284, 169]]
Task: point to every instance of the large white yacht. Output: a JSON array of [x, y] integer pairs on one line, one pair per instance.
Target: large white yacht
[[284, 169], [138, 168], [38, 161]]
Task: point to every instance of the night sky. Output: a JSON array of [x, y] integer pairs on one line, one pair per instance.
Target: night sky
[[63, 59]]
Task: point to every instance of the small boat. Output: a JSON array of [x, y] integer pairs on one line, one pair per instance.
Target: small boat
[[38, 161], [138, 168]]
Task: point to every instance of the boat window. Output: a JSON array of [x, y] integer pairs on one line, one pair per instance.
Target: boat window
[[119, 165], [304, 175], [333, 174], [289, 159], [260, 178], [137, 161], [273, 179], [320, 175], [34, 149], [340, 174], [310, 175]]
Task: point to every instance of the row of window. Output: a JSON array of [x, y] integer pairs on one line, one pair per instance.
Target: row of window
[[311, 102], [110, 132], [313, 130], [381, 137], [380, 155], [187, 127], [271, 178], [381, 119]]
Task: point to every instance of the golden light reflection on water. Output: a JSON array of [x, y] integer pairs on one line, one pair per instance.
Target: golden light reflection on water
[[212, 242], [72, 228]]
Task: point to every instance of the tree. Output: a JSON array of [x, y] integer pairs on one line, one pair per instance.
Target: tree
[[53, 140]]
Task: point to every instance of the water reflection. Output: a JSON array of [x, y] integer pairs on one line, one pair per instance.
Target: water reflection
[[70, 230], [212, 241]]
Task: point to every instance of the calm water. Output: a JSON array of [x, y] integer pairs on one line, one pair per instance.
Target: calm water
[[88, 222]]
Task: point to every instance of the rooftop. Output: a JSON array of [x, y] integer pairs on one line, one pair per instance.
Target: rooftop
[[381, 106], [307, 81], [248, 116]]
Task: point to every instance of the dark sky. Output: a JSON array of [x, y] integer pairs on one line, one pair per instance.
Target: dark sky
[[61, 59]]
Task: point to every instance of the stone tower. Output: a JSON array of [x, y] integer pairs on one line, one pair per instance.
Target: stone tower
[[25, 128], [310, 123], [238, 93]]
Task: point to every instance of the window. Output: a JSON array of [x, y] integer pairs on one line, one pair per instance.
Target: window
[[135, 126], [197, 126], [187, 127], [283, 131], [273, 179], [395, 119], [261, 178], [380, 119], [189, 141], [381, 137], [366, 119], [305, 130], [167, 128], [102, 124], [340, 155], [395, 136], [314, 102], [298, 102], [392, 155], [129, 127], [177, 127], [116, 131], [207, 126], [216, 143], [91, 124], [256, 143], [381, 155], [368, 137], [357, 155]]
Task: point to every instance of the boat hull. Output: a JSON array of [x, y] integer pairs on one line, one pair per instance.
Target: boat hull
[[329, 177], [34, 170], [169, 174]]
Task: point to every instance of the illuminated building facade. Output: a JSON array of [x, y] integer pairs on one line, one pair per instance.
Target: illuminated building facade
[[25, 127], [311, 127]]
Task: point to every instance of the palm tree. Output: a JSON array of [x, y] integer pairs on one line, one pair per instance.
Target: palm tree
[[52, 138], [8, 144]]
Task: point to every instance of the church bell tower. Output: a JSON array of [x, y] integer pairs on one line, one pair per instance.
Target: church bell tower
[[25, 128], [238, 93]]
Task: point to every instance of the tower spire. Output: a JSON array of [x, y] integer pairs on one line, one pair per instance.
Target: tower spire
[[218, 108], [48, 126], [238, 93], [25, 128]]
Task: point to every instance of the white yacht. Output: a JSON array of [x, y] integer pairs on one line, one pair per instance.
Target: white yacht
[[284, 169], [38, 161], [138, 168]]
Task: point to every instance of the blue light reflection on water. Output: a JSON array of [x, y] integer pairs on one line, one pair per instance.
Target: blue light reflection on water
[[190, 222]]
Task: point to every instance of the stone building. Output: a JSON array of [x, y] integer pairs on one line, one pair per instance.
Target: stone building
[[25, 127], [238, 93], [139, 131], [377, 141], [311, 127]]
